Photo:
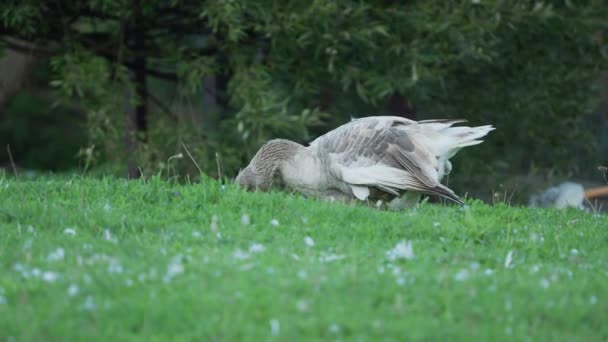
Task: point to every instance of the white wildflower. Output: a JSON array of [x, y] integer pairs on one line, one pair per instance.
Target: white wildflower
[[309, 241], [535, 268], [107, 235], [274, 222], [544, 283], [247, 267], [462, 275], [174, 268], [334, 328], [324, 258], [56, 255], [275, 327], [107, 207], [213, 225], [436, 224], [245, 220], [50, 276], [509, 259], [403, 250], [256, 248], [69, 231], [302, 305], [474, 266], [488, 271], [196, 234], [73, 290], [593, 300], [574, 251], [239, 254], [89, 303], [115, 267]]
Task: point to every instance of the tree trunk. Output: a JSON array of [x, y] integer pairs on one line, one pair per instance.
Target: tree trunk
[[16, 67], [137, 111]]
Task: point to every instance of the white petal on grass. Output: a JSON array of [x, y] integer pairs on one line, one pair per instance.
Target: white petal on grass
[[50, 276], [462, 275], [239, 254], [574, 251], [256, 248], [309, 241], [69, 231], [325, 258], [535, 268], [107, 235], [245, 220], [196, 234], [403, 250], [544, 283], [509, 259], [175, 268], [73, 290], [275, 327], [488, 271], [56, 255], [213, 226], [274, 222], [436, 224], [302, 305], [115, 267], [593, 300], [89, 303], [28, 244], [247, 266]]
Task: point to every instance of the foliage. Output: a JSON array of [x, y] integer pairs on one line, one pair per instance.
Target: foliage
[[529, 67], [108, 258]]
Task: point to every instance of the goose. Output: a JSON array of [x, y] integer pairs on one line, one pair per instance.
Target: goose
[[369, 158]]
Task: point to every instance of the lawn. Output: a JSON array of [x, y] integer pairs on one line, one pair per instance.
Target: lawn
[[104, 259]]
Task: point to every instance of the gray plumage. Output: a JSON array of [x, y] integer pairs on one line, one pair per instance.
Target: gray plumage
[[366, 158]]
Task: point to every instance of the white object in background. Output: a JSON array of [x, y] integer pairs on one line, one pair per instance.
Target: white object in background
[[564, 195]]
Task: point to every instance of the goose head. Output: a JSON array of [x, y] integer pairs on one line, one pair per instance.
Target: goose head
[[266, 163]]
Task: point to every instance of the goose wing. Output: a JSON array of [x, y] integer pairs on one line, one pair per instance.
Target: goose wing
[[379, 152]]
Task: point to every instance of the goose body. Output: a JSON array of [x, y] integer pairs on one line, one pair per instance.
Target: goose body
[[366, 158]]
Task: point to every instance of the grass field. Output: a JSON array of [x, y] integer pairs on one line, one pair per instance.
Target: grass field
[[101, 259]]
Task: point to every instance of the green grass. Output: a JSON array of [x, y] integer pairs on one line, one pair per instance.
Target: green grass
[[148, 261]]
